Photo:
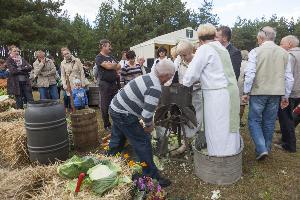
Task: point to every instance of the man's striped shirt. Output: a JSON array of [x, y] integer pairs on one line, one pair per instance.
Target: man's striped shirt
[[139, 97]]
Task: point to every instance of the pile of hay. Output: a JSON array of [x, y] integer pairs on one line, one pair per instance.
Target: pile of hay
[[11, 114], [25, 183], [6, 104], [13, 144], [43, 182]]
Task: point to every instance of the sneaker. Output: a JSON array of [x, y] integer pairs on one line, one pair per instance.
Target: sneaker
[[262, 156], [164, 182]]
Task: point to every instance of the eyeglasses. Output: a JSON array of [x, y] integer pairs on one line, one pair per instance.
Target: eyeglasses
[[262, 30]]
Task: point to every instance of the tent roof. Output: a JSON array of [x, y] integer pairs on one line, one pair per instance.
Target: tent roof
[[170, 38]]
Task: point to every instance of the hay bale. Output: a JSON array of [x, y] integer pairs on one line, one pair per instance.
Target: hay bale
[[13, 144], [25, 183], [7, 104], [11, 114]]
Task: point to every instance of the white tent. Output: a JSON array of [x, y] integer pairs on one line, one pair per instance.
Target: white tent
[[148, 48]]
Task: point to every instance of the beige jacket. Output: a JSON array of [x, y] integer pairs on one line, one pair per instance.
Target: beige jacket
[[72, 69], [45, 73]]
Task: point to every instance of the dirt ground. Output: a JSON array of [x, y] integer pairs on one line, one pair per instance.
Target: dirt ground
[[276, 178]]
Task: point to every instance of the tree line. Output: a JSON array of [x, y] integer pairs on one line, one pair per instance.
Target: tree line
[[41, 24]]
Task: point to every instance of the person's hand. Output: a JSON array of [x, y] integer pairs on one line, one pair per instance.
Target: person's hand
[[149, 129], [245, 98], [284, 103]]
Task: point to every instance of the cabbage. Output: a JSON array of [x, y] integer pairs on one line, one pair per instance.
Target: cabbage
[[104, 176], [99, 171], [76, 165]]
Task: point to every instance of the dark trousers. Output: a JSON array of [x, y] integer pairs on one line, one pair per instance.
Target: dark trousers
[[107, 93], [25, 94], [288, 122], [67, 101], [128, 126]]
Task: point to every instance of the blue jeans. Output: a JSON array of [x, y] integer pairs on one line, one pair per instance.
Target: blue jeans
[[128, 126], [48, 92], [262, 116]]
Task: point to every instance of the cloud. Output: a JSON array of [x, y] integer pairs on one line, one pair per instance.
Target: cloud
[[87, 9]]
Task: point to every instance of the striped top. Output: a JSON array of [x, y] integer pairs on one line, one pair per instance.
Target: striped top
[[129, 73], [139, 97]]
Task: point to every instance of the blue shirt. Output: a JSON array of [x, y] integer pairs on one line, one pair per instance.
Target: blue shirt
[[80, 98], [3, 74]]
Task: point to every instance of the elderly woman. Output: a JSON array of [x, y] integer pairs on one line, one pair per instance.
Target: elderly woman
[[212, 67], [241, 81], [18, 83], [71, 69], [45, 72], [185, 51]]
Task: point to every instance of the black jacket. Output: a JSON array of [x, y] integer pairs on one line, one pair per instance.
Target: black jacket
[[236, 59]]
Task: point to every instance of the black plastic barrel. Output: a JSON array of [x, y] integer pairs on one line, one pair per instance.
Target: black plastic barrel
[[46, 128], [94, 95]]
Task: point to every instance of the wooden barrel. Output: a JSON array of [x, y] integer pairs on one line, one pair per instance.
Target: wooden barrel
[[94, 95], [85, 129], [218, 170], [46, 129]]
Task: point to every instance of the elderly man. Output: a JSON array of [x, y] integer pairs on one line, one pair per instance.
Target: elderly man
[[45, 71], [268, 78], [138, 100], [141, 61], [211, 67], [224, 36], [286, 119]]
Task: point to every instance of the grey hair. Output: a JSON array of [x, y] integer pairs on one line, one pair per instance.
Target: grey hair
[[292, 39], [267, 33], [184, 46], [244, 54], [165, 67]]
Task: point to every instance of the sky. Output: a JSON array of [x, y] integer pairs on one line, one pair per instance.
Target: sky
[[227, 10]]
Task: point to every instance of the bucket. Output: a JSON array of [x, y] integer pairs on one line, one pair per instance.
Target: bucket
[[218, 170], [94, 95], [46, 129], [85, 129]]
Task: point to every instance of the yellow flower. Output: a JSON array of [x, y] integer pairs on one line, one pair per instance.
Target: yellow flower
[[106, 148], [126, 156], [144, 164], [118, 154], [131, 163]]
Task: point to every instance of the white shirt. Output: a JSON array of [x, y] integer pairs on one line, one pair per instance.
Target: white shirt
[[207, 68], [250, 72], [123, 63]]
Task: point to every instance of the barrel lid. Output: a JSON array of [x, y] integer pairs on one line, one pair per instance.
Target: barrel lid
[[43, 103]]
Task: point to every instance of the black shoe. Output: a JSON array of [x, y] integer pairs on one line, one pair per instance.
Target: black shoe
[[164, 182]]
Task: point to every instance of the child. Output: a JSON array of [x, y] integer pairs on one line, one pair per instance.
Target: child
[[79, 96], [3, 70], [3, 74]]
